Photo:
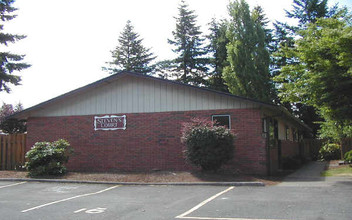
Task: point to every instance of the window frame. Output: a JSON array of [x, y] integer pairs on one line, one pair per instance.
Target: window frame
[[229, 118]]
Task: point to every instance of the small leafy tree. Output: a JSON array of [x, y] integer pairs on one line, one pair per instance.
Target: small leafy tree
[[207, 146], [348, 156], [12, 125], [48, 158], [330, 151], [247, 73]]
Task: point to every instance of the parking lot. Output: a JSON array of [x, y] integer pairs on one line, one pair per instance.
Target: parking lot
[[328, 199]]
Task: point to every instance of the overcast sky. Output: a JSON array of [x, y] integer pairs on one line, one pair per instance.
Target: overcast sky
[[68, 41]]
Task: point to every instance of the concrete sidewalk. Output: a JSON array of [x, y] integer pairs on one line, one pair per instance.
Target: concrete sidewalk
[[310, 176], [309, 172], [307, 176]]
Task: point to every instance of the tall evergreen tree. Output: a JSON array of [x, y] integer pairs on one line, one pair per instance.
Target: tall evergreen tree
[[304, 11], [308, 11], [130, 54], [248, 72], [9, 62], [218, 54], [190, 65]]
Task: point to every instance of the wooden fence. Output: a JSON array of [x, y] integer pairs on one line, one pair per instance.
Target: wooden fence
[[309, 148], [346, 146], [12, 151]]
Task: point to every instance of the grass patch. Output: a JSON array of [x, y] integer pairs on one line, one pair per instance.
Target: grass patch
[[344, 170]]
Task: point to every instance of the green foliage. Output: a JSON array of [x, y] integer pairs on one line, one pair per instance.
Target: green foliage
[[218, 54], [335, 130], [320, 74], [303, 13], [208, 146], [248, 71], [348, 156], [307, 11], [190, 64], [130, 54], [46, 158], [9, 62], [330, 151]]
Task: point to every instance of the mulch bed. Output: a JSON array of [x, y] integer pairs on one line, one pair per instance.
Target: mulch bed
[[152, 177]]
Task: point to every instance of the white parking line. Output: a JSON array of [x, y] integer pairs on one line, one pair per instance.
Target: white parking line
[[203, 203], [15, 184], [211, 218], [184, 215], [74, 197]]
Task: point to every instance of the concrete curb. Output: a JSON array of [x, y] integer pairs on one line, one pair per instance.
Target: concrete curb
[[136, 183]]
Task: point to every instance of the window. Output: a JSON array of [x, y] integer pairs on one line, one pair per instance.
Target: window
[[222, 120], [264, 125], [295, 135], [287, 133]]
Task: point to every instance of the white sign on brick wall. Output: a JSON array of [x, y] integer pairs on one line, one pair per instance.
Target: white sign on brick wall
[[110, 122]]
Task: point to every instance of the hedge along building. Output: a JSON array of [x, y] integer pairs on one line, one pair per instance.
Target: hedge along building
[[132, 122]]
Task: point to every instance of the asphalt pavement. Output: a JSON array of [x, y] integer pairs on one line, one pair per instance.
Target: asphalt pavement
[[303, 195]]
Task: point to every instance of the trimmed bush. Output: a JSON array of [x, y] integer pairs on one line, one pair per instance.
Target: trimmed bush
[[348, 156], [207, 146], [330, 152], [48, 158]]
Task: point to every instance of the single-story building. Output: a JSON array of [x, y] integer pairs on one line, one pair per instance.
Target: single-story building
[[132, 122]]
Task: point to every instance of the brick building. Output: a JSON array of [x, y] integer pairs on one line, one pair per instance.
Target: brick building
[[132, 122]]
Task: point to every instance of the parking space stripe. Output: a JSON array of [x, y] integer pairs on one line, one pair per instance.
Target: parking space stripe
[[184, 215], [67, 199], [15, 184], [211, 218], [204, 202]]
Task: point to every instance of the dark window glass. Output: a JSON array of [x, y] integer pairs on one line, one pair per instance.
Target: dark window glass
[[222, 120]]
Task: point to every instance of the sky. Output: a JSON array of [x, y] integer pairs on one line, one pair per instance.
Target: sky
[[69, 41]]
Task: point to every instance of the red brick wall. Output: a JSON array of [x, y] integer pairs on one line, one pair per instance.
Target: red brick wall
[[289, 148], [151, 141]]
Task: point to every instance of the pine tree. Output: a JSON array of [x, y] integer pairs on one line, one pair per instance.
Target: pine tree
[[218, 54], [308, 11], [130, 54], [304, 11], [248, 72], [9, 62], [190, 65]]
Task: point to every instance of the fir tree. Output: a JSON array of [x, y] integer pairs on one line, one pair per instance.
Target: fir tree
[[190, 65], [248, 72], [130, 54], [218, 54], [9, 62]]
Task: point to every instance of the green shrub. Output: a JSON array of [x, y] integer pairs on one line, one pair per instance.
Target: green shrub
[[348, 156], [46, 158], [207, 146], [330, 152]]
